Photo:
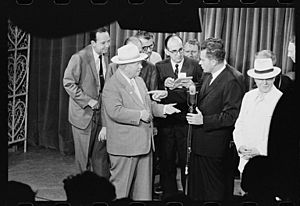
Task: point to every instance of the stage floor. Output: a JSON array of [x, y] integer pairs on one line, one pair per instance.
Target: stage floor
[[45, 169]]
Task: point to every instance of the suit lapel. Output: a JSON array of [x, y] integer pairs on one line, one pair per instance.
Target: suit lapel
[[91, 62], [169, 69], [213, 85], [185, 66], [143, 92], [129, 88]]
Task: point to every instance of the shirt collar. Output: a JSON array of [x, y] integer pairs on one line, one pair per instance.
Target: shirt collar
[[96, 56], [127, 79], [215, 74], [266, 95], [179, 65]]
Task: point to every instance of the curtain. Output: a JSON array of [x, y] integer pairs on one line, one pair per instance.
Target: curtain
[[244, 31]]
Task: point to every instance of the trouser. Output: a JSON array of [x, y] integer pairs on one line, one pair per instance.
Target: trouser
[[132, 176]]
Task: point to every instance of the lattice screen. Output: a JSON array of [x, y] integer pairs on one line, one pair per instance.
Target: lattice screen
[[18, 74]]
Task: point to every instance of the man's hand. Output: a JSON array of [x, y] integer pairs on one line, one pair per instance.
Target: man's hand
[[146, 116], [93, 104], [248, 152], [155, 131], [195, 119], [170, 109], [157, 95], [187, 83], [102, 134], [169, 82]]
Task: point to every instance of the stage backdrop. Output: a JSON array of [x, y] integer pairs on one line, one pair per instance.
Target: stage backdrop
[[244, 30]]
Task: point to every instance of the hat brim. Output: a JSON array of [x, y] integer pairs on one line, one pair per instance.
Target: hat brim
[[116, 59], [274, 73]]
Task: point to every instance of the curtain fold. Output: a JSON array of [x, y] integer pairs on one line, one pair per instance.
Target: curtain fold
[[244, 31]]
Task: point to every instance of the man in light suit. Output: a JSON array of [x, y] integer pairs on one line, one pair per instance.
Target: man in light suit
[[128, 116], [148, 72], [218, 107], [83, 81], [172, 131]]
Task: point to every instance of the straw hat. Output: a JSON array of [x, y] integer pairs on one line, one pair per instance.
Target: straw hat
[[263, 69], [128, 53]]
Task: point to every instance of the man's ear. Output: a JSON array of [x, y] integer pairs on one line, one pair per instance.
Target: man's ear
[[93, 42], [214, 62], [167, 52]]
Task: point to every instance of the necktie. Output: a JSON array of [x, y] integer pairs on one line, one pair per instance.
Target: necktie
[[176, 71], [101, 76]]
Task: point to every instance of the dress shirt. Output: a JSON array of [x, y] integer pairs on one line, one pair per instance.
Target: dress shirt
[[97, 62], [179, 65], [252, 125]]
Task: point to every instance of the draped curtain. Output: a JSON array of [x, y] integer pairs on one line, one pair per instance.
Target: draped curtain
[[244, 31]]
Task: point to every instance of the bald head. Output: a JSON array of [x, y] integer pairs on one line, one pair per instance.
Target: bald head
[[134, 40]]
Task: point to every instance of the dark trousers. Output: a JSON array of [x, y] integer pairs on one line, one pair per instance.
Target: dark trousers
[[98, 157], [206, 179], [172, 145], [231, 163]]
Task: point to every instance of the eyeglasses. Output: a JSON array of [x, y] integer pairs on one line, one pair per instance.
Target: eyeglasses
[[176, 51], [145, 48]]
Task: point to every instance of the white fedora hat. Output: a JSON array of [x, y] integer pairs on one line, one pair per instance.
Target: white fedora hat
[[128, 53], [263, 69]]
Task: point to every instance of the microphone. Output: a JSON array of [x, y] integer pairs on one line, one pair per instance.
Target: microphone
[[192, 97]]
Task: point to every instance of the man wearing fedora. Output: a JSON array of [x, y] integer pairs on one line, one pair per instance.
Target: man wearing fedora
[[252, 126], [128, 114]]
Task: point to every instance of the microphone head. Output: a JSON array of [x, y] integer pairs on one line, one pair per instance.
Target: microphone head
[[192, 89]]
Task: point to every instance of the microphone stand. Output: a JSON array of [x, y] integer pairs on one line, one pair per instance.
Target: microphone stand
[[191, 105]]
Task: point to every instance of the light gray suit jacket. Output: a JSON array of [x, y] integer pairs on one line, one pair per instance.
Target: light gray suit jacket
[[81, 82], [126, 134]]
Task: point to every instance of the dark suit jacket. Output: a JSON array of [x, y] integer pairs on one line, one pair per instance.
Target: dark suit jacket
[[284, 145], [165, 70], [220, 105], [148, 73]]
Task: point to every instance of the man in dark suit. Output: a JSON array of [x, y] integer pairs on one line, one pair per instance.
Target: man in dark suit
[[218, 107], [83, 81], [172, 131]]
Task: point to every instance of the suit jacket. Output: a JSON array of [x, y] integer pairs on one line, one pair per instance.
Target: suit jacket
[[220, 105], [179, 96], [81, 82], [148, 73], [126, 134]]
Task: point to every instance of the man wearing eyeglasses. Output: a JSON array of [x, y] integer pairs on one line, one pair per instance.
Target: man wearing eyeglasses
[[172, 131], [147, 40]]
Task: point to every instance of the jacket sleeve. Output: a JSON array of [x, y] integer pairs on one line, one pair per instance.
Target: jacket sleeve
[[238, 132], [72, 84]]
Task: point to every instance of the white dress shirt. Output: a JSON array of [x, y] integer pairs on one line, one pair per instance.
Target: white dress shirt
[[97, 62], [253, 123], [215, 74]]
